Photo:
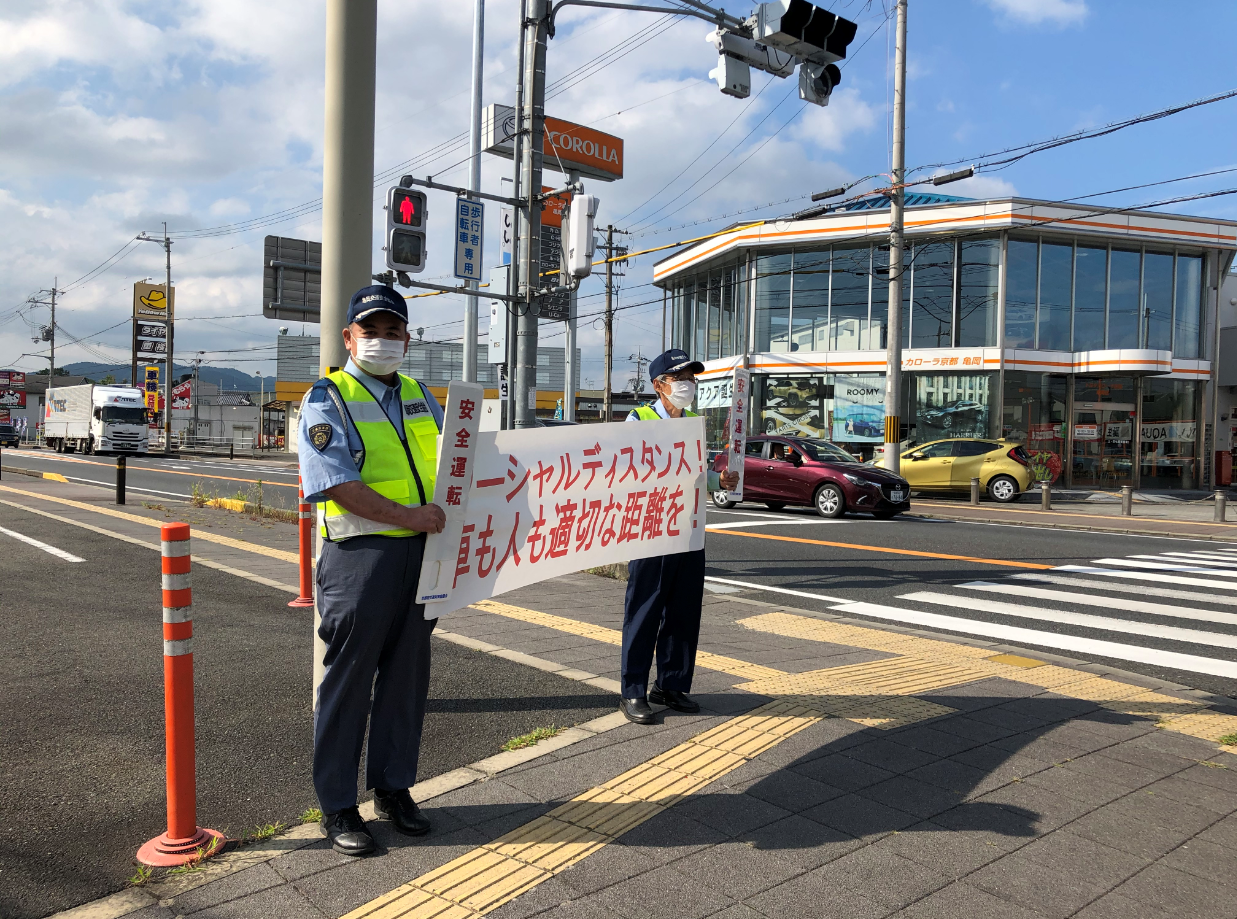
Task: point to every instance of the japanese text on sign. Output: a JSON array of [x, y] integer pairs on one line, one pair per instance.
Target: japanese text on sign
[[469, 233], [736, 428], [546, 502]]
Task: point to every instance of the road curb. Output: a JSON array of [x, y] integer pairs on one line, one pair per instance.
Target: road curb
[[1087, 528]]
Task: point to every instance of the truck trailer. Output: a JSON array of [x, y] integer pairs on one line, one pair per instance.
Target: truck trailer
[[95, 419]]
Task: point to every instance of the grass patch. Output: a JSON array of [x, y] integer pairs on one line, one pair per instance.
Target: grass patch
[[263, 832], [1229, 740], [153, 507], [141, 876], [532, 737], [201, 855], [311, 815]]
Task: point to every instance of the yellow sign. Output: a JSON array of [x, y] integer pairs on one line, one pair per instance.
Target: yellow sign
[[150, 302], [152, 387]]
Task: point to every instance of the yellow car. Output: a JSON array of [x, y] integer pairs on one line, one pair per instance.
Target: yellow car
[[1002, 467]]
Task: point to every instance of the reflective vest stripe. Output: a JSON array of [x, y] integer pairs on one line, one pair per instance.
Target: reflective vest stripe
[[401, 469], [648, 413]]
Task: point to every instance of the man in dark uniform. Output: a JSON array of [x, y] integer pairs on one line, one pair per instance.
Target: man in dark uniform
[[664, 594], [368, 445]]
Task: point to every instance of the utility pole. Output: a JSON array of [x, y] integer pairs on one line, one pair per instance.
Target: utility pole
[[166, 243], [197, 365], [533, 33], [48, 334], [639, 360], [897, 198], [474, 181], [347, 167], [607, 396]]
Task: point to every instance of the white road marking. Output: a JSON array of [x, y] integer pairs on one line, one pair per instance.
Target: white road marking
[[1082, 620], [720, 588], [1140, 589], [1164, 566], [1194, 558], [762, 523], [777, 590], [1145, 576], [128, 488], [1093, 599], [51, 550], [1033, 637]]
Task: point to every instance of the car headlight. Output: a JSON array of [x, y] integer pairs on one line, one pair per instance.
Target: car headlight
[[856, 479]]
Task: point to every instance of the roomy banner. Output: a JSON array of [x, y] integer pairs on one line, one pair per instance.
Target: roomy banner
[[542, 502], [858, 409]]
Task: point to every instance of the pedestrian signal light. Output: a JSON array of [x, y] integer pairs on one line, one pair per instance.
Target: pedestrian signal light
[[406, 226]]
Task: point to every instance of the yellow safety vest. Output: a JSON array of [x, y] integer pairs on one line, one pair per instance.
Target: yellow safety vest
[[648, 413], [402, 469]]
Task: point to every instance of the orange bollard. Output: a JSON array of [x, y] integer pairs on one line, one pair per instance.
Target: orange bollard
[[184, 838], [306, 551]]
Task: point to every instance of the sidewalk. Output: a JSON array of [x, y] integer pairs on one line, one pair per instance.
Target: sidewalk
[[837, 769], [1152, 514]]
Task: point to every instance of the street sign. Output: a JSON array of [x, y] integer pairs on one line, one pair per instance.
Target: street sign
[[469, 234], [555, 307], [291, 279], [152, 388], [506, 225], [567, 145], [150, 302], [503, 388]]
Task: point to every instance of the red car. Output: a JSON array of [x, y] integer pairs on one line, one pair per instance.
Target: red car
[[814, 473]]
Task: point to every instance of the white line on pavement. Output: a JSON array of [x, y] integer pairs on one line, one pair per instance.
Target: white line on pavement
[[1164, 566], [1082, 620], [777, 590], [149, 491], [762, 523], [51, 550], [1095, 599], [1195, 558], [1140, 589], [1033, 637], [1145, 576]]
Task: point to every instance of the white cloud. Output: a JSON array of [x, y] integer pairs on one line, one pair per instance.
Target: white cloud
[[981, 186], [1039, 12]]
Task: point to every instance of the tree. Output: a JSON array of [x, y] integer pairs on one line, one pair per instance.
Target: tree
[[108, 380]]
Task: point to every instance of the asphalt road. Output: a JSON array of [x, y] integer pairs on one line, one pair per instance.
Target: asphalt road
[[1161, 606], [81, 689], [159, 477]]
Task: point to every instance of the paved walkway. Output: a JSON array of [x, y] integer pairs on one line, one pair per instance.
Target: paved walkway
[[838, 769]]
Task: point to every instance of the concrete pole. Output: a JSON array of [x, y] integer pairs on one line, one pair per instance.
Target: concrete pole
[[607, 397], [171, 322], [569, 364], [474, 181], [347, 168], [897, 197], [524, 389]]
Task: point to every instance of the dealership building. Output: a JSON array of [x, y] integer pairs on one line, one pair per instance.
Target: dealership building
[[1091, 336]]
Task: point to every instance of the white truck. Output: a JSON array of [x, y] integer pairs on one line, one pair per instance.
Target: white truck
[[95, 419]]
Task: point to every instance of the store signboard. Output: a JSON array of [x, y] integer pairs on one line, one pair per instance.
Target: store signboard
[[12, 398], [1086, 432], [1186, 431], [182, 395], [858, 409]]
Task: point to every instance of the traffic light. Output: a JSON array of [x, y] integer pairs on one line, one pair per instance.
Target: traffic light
[[817, 82], [806, 31], [406, 225], [579, 246]]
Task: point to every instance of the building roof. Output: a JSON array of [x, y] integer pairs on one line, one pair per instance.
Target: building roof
[[913, 199]]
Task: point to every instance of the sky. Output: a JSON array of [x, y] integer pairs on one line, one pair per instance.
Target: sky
[[117, 116]]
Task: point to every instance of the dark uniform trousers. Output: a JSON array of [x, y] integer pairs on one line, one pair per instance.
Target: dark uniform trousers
[[377, 640], [662, 614]]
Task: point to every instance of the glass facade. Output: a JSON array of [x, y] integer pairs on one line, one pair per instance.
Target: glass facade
[[1034, 412], [1169, 434]]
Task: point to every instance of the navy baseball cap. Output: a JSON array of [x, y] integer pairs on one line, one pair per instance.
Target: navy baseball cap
[[374, 299], [673, 361]]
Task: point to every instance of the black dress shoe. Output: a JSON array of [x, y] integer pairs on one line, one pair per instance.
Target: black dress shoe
[[347, 832], [679, 701], [637, 711], [402, 811]]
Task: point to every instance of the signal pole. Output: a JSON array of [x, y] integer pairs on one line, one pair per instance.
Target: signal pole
[[533, 33], [897, 198], [474, 181], [347, 167], [607, 396]]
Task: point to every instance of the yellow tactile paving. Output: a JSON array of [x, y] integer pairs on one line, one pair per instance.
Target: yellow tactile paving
[[1205, 725]]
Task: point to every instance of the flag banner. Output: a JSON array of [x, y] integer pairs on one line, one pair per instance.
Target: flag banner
[[736, 428], [542, 502]]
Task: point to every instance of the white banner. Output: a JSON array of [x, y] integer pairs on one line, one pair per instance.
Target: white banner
[[544, 502], [736, 428]]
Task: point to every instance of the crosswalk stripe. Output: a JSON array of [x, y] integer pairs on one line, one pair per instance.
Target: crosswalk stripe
[[1211, 555], [1141, 589], [1164, 566], [1082, 620], [1147, 576], [1092, 599], [1193, 559], [1022, 636]]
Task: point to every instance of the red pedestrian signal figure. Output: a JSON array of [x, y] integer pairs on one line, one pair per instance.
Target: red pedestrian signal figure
[[406, 210]]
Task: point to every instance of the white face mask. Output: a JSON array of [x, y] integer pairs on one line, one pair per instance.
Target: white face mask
[[682, 393], [379, 356]]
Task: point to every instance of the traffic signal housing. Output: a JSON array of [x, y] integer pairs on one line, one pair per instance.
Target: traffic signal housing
[[806, 31], [579, 246], [406, 226]]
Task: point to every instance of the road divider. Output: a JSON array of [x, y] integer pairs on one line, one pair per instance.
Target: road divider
[[184, 841], [305, 525]]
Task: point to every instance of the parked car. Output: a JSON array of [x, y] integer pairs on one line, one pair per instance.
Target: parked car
[[947, 417], [9, 436], [1002, 467], [815, 473]]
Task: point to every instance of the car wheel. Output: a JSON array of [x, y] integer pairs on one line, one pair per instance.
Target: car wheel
[[792, 398], [829, 501], [720, 499], [775, 505], [770, 426], [1004, 489], [947, 422]]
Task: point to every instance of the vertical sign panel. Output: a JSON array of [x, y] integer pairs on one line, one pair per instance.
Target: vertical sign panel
[[469, 232], [736, 427]]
